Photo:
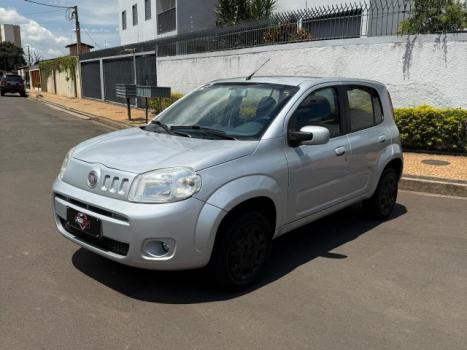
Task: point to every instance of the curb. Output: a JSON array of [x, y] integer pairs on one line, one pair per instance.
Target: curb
[[440, 186], [108, 122]]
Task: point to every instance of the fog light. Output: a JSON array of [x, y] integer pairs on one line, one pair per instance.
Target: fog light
[[158, 248]]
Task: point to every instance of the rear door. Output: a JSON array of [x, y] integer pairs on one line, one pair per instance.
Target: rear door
[[318, 174], [367, 136]]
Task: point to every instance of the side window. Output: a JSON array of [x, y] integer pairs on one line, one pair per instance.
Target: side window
[[320, 108], [364, 108]]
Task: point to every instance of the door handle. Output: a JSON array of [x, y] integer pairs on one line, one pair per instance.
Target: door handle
[[382, 138], [340, 151]]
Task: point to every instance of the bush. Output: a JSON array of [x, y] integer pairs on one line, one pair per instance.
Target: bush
[[435, 16], [157, 105], [428, 128]]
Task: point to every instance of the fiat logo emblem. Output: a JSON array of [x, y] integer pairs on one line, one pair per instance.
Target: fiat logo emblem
[[92, 179]]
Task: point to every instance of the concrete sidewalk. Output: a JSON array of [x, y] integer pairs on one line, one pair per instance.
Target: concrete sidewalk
[[425, 172], [93, 108]]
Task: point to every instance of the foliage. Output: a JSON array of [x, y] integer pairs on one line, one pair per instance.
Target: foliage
[[235, 11], [11, 56], [286, 32], [435, 16], [159, 104], [428, 128], [61, 64]]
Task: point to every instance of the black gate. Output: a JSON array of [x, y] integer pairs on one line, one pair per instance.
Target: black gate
[[146, 73], [117, 71], [91, 79]]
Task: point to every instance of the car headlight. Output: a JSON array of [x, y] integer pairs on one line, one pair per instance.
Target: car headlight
[[65, 163], [165, 185]]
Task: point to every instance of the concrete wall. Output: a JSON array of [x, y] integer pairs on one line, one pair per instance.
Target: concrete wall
[[62, 86], [431, 69]]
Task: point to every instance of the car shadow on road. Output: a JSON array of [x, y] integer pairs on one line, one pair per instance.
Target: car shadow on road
[[290, 251]]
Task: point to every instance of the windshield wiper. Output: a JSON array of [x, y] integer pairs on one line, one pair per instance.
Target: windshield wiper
[[209, 131], [169, 130]]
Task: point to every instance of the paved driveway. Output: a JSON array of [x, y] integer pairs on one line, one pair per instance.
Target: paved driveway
[[345, 282]]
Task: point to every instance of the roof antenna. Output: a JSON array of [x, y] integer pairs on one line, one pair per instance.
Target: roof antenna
[[256, 71]]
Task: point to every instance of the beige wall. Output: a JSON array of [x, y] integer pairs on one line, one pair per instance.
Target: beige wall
[[63, 86]]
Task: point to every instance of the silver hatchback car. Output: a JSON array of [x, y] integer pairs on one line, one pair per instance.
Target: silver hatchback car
[[229, 167]]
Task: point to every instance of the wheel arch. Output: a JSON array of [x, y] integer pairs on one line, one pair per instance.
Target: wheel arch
[[257, 191]]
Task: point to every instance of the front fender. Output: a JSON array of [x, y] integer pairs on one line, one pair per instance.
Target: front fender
[[227, 197], [241, 189]]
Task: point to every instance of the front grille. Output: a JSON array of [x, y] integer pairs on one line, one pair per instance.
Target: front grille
[[104, 243], [91, 208]]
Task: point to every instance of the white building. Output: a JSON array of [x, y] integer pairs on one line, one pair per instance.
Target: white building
[[143, 20], [10, 33]]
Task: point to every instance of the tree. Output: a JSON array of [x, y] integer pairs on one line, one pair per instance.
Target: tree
[[11, 56], [435, 16], [235, 11]]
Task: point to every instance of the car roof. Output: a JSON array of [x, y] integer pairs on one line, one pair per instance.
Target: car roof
[[297, 80]]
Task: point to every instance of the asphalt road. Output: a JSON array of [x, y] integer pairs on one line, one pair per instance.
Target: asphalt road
[[345, 282]]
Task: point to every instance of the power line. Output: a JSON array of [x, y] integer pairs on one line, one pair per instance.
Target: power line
[[42, 12], [90, 37], [49, 5], [72, 12]]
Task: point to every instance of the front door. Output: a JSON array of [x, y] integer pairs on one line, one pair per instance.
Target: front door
[[318, 174]]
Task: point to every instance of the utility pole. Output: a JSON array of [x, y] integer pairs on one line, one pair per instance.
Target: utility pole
[[74, 15], [77, 29]]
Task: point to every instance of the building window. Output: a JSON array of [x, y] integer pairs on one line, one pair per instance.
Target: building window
[[166, 16], [134, 9], [147, 9], [123, 20]]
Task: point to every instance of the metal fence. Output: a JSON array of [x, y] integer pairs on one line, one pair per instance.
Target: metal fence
[[352, 20]]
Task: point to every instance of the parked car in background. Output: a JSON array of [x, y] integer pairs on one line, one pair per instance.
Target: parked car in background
[[225, 170], [12, 83]]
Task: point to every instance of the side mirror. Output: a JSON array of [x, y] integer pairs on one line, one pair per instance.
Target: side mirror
[[309, 135]]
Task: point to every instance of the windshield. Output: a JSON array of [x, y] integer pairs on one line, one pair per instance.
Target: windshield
[[237, 110]]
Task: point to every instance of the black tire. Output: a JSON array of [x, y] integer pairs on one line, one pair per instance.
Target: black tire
[[383, 200], [23, 94], [241, 250], [2, 93]]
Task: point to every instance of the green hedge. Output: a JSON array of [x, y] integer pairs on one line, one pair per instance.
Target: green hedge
[[157, 105], [421, 128], [428, 128]]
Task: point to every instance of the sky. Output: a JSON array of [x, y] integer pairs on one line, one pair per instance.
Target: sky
[[47, 30]]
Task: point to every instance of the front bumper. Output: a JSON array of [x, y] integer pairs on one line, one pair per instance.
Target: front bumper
[[190, 226]]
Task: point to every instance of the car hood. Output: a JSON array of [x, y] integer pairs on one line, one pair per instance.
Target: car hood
[[138, 151]]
